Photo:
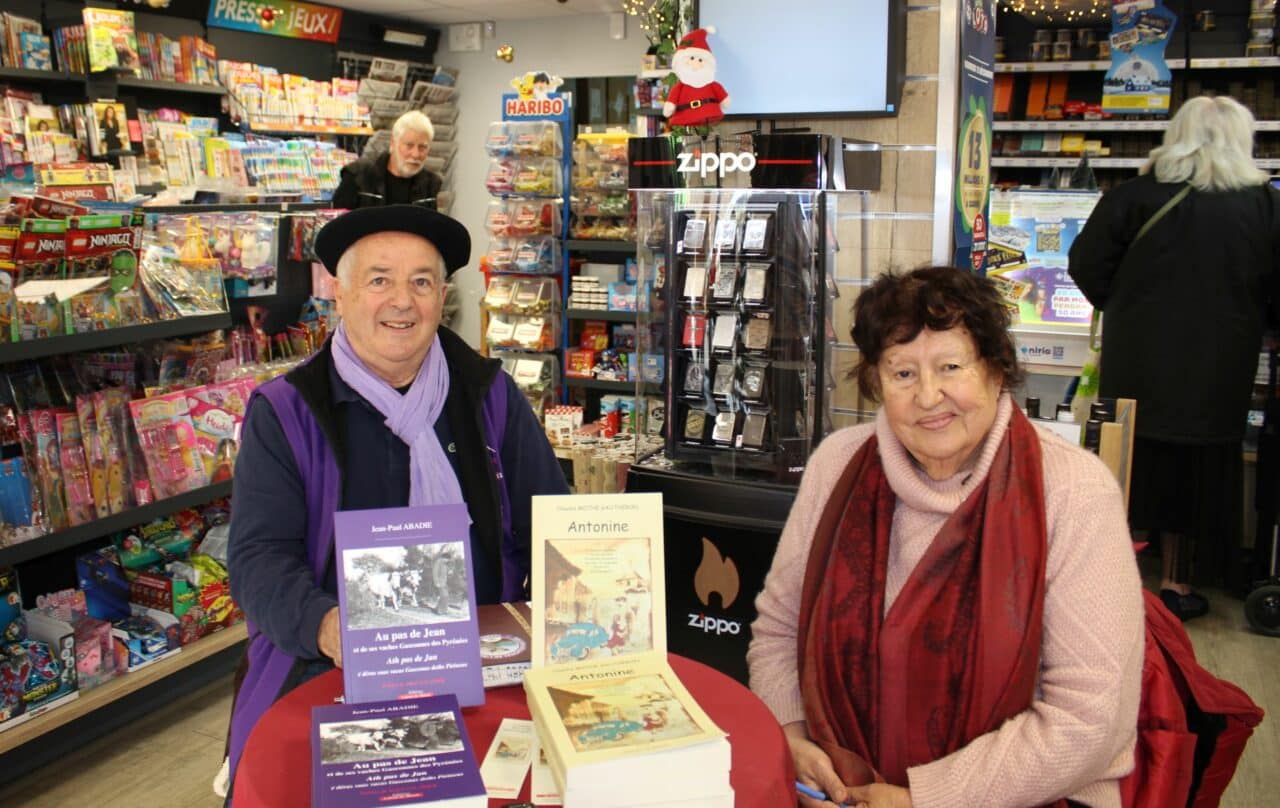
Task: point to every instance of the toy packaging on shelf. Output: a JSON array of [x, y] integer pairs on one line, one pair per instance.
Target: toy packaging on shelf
[[145, 637], [94, 657], [168, 441], [37, 658]]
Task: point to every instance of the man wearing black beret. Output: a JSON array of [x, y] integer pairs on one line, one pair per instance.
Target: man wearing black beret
[[394, 410]]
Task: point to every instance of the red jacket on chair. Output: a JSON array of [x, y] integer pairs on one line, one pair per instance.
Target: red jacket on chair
[[1192, 726]]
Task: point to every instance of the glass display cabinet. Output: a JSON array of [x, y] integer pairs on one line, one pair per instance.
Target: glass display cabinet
[[738, 312]]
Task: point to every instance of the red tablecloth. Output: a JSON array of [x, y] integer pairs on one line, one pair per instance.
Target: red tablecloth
[[275, 769]]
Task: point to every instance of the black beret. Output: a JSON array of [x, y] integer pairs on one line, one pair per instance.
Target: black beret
[[446, 233]]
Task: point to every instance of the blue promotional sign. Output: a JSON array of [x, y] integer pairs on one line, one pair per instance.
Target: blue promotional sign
[[1139, 80], [973, 146]]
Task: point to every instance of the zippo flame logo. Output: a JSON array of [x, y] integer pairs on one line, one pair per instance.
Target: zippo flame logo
[[715, 574]]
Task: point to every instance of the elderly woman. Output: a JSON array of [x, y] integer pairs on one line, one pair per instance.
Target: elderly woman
[[954, 615], [1210, 264]]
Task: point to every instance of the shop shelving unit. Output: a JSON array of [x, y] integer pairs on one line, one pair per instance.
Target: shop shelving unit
[[1189, 63], [72, 536], [96, 340], [89, 702]]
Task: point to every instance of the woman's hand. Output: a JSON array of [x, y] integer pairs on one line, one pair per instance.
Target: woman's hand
[[879, 795], [813, 767]]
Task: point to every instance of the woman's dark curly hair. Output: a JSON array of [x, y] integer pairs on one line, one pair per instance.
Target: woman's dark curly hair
[[897, 307]]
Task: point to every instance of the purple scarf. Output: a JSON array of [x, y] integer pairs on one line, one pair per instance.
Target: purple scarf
[[411, 417]]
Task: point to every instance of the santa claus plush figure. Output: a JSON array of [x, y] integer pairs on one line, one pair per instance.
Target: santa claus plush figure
[[697, 99]]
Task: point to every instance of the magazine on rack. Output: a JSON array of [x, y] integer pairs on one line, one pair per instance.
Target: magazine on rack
[[407, 604], [407, 752], [598, 577]]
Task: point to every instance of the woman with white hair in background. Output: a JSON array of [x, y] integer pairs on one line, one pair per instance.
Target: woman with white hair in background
[[397, 177], [1186, 306]]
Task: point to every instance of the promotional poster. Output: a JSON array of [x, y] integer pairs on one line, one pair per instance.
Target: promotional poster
[[1031, 235], [973, 147], [1139, 80]]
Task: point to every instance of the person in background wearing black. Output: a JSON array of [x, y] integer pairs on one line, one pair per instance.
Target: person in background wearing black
[[397, 177], [1184, 309]]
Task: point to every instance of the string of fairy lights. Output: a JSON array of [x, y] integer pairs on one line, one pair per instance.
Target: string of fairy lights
[[1060, 10], [656, 17]]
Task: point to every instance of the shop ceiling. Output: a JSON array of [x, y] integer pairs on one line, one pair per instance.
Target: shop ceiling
[[451, 11]]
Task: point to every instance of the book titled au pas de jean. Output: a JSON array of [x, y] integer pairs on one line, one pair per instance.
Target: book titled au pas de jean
[[407, 604], [408, 752]]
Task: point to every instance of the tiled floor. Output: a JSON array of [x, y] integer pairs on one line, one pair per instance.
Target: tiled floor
[[170, 757]]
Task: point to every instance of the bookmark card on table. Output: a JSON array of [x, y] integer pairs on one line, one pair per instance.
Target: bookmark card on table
[[542, 783], [407, 604], [407, 752], [598, 577], [508, 759]]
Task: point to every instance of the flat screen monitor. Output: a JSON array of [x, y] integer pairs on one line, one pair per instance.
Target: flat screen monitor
[[806, 58]]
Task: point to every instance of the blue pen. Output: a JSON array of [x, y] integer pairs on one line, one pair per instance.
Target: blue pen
[[814, 793]]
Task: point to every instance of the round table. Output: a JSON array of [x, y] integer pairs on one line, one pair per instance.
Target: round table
[[275, 768]]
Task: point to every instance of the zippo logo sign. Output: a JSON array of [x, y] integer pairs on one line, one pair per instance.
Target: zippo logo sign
[[716, 163], [716, 575]]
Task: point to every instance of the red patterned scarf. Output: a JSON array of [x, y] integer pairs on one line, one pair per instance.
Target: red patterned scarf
[[959, 651]]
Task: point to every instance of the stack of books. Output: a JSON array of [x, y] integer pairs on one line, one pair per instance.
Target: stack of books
[[616, 725], [411, 657], [625, 732]]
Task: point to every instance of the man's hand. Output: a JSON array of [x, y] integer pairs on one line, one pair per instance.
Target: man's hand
[[879, 795], [329, 637], [813, 767]]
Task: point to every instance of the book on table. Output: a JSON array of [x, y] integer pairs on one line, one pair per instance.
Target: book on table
[[407, 604], [409, 752], [598, 578], [625, 731]]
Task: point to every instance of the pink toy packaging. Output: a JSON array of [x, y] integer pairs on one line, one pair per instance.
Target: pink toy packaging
[[75, 469], [110, 410], [94, 455], [217, 411], [49, 466], [168, 441], [95, 659]]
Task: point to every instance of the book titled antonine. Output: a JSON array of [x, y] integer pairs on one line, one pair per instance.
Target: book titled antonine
[[598, 576], [407, 604], [397, 753], [625, 724]]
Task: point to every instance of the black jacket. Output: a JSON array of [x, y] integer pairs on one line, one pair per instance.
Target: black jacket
[[364, 185], [1186, 307]]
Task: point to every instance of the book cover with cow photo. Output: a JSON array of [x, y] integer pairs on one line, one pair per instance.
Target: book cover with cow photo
[[406, 752], [598, 577], [407, 604]]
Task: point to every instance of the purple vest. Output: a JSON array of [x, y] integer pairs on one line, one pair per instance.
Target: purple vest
[[269, 667]]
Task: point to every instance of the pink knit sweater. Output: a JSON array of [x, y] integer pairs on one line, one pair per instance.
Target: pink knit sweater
[[1077, 737]]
